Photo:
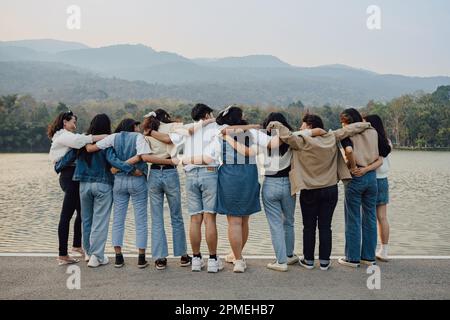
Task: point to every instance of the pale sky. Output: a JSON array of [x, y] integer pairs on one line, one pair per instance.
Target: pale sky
[[414, 38]]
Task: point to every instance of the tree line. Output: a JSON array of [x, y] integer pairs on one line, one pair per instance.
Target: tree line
[[415, 121]]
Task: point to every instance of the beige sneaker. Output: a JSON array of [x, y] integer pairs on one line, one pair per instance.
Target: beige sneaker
[[239, 266], [278, 266], [229, 258], [292, 260]]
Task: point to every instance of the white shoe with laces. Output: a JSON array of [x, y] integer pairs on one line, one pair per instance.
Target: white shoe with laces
[[94, 262], [240, 266], [197, 264], [292, 260], [214, 265], [278, 266]]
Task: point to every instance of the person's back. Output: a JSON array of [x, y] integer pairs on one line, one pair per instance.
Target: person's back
[[159, 148], [125, 147], [365, 147]]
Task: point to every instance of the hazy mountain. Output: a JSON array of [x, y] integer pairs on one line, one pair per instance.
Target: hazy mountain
[[45, 45], [256, 79]]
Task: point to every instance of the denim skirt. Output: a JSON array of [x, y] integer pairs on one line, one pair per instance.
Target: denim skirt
[[238, 190], [383, 191]]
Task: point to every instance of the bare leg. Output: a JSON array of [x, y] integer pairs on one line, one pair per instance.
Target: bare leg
[[235, 235], [245, 231], [211, 232], [195, 232], [383, 224]]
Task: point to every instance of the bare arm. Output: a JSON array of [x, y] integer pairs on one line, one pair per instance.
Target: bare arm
[[198, 160], [241, 127], [91, 147], [99, 137], [239, 147], [373, 166], [157, 160], [294, 141], [163, 137]]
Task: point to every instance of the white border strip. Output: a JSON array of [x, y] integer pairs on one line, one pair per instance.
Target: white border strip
[[249, 257]]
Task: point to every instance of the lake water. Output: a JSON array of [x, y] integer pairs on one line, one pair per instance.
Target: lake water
[[30, 203]]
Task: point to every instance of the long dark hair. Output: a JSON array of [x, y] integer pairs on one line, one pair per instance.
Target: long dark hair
[[351, 115], [231, 116], [126, 125], [277, 116], [100, 124], [383, 143], [58, 123], [153, 122]]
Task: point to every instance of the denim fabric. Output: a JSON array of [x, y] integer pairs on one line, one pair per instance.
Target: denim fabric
[[166, 182], [201, 190], [279, 206], [383, 191], [96, 203], [125, 148], [124, 188], [361, 217]]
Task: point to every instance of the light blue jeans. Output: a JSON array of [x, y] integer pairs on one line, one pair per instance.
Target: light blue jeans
[[279, 206], [124, 188], [361, 217], [96, 203], [166, 182]]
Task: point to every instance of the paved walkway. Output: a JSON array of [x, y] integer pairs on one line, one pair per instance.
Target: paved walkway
[[42, 278]]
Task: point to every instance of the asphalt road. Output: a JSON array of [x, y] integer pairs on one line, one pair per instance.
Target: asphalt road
[[42, 278]]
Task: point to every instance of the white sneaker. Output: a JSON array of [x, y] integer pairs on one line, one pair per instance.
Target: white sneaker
[[292, 260], [197, 264], [94, 262], [278, 266], [229, 258], [382, 256], [215, 265], [239, 266]]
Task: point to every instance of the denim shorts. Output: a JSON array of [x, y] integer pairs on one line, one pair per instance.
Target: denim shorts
[[383, 191], [201, 190]]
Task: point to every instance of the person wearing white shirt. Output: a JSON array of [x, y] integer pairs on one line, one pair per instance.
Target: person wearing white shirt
[[128, 143], [62, 134]]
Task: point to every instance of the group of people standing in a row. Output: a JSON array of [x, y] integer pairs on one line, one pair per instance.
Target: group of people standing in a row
[[220, 157]]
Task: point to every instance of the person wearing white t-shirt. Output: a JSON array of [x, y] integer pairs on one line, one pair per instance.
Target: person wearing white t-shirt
[[201, 162], [62, 133]]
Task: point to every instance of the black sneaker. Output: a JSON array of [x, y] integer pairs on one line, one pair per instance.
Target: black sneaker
[[306, 265], [119, 261], [142, 263], [161, 264], [347, 263], [325, 266], [185, 260]]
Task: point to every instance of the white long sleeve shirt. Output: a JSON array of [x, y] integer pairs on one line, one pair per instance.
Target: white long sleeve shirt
[[63, 140]]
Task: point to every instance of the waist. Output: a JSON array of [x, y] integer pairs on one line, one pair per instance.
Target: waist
[[162, 166], [195, 169]]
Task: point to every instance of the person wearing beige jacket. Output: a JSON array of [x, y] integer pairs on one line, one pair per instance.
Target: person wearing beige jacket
[[360, 194], [317, 165]]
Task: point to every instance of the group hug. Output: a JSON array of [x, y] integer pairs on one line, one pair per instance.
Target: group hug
[[222, 158]]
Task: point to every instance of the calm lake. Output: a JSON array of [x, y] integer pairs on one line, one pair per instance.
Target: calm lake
[[30, 203]]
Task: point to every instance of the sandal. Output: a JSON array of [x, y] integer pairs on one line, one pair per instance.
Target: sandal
[[70, 260], [78, 252]]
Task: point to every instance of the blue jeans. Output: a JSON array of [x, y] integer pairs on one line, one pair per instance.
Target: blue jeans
[[279, 206], [124, 188], [361, 217], [166, 182], [96, 203], [201, 190]]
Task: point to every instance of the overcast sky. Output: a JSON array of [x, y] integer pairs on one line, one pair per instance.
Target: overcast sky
[[414, 38]]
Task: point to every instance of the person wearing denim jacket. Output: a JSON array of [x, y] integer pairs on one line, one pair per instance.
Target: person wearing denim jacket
[[128, 143], [93, 174]]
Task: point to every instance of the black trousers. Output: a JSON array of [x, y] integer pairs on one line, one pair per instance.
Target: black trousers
[[317, 209], [71, 203]]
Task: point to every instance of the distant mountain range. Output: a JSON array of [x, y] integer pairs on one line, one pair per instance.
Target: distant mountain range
[[73, 72]]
